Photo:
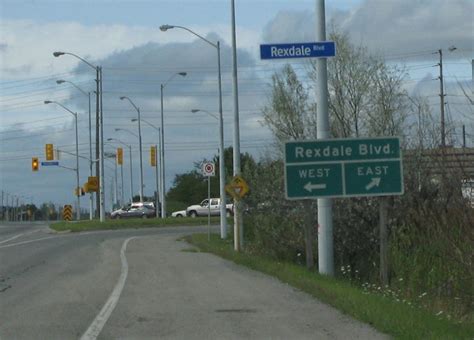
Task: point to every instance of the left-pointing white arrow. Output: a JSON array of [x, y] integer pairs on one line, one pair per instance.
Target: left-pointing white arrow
[[310, 187]]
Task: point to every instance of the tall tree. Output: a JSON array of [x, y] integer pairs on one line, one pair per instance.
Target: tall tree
[[290, 116]]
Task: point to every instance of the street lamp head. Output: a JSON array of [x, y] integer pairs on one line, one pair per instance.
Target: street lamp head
[[57, 54], [195, 110], [183, 74], [60, 81], [134, 119], [122, 98], [109, 139], [118, 129], [47, 101], [164, 28]]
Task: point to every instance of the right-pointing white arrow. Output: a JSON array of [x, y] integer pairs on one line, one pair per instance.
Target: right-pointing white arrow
[[375, 182], [310, 187]]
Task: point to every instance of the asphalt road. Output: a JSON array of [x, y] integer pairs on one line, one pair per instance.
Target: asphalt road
[[144, 284]]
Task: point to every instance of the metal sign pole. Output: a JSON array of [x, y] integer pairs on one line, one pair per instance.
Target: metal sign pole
[[325, 225], [208, 208]]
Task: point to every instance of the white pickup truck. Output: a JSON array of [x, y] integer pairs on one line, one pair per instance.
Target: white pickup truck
[[203, 208]]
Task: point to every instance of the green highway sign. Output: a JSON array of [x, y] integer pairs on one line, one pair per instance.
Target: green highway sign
[[315, 180], [373, 178], [343, 168]]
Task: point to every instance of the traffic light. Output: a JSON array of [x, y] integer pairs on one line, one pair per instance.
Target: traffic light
[[49, 152], [92, 183], [153, 155], [35, 164], [79, 191], [119, 156]]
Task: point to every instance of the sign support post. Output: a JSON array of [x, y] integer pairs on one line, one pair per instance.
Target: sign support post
[[208, 208], [208, 170], [325, 225]]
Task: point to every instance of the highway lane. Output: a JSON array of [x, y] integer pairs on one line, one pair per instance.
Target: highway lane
[[56, 288], [12, 231], [49, 284]]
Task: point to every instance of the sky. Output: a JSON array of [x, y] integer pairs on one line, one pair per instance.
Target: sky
[[124, 38]]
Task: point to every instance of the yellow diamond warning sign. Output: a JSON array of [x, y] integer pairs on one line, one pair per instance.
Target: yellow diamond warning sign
[[237, 188]]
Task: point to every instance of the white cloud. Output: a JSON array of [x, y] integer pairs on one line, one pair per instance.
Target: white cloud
[[389, 26], [135, 62], [26, 46]]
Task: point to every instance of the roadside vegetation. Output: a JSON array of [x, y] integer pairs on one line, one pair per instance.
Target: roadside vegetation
[[429, 238], [373, 305], [131, 223]]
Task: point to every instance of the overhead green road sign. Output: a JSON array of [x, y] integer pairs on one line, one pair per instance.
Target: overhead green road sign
[[343, 168]]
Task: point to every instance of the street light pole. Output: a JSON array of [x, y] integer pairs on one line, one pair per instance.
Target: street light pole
[[162, 151], [163, 181], [88, 94], [158, 163], [139, 144], [221, 150], [141, 154], [77, 191], [101, 154], [133, 134], [157, 198], [217, 45], [121, 188], [116, 181], [131, 164], [99, 121], [78, 212]]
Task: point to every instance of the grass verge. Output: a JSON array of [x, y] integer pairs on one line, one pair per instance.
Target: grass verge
[[130, 223], [386, 315]]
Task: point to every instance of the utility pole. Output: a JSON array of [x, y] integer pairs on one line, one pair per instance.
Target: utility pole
[[101, 154], [157, 193], [115, 185], [6, 207], [442, 95], [325, 225], [121, 187], [3, 209], [16, 209], [97, 136], [91, 195], [238, 222], [131, 173], [463, 137]]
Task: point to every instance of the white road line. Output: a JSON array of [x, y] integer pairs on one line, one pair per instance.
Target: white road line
[[18, 235], [25, 242], [99, 322]]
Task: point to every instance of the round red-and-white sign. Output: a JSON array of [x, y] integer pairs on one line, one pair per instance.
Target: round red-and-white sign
[[208, 169]]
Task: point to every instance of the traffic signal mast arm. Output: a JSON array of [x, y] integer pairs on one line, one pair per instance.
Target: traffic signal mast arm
[[65, 167], [73, 154]]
